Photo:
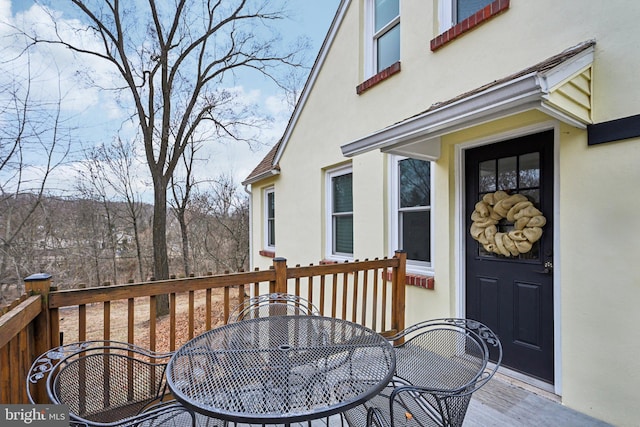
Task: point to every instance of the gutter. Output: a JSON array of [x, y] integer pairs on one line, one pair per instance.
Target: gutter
[[513, 97], [263, 175]]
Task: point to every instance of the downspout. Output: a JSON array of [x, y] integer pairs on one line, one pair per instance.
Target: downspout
[[246, 189]]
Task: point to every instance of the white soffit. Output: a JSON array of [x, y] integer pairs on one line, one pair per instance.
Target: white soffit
[[419, 136]]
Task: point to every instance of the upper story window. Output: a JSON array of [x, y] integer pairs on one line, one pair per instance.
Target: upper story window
[[465, 8], [411, 197], [452, 12], [340, 213], [383, 34], [270, 218]]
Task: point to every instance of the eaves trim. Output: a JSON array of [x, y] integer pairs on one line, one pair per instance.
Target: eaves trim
[[264, 175], [440, 121]]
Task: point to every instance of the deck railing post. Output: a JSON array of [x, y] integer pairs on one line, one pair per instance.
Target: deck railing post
[[40, 284], [398, 280], [280, 284]]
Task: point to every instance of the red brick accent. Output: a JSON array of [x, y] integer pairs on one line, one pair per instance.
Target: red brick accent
[[480, 17], [382, 75], [426, 282], [268, 254]]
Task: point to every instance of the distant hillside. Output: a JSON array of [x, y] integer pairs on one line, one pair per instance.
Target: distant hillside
[[90, 242]]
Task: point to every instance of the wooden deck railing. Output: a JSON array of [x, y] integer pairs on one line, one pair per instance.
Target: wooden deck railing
[[357, 291], [23, 335]]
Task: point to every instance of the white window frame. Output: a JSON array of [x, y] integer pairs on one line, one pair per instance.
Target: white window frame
[[371, 51], [329, 238], [445, 14], [266, 192], [414, 267]]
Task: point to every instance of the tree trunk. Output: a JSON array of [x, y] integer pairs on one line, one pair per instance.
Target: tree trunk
[[136, 236], [96, 264], [185, 243], [112, 242], [160, 258]]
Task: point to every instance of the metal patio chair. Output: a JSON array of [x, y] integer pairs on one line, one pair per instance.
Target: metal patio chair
[[439, 364], [273, 304], [109, 383]]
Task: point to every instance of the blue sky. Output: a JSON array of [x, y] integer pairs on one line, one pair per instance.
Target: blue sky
[[310, 18]]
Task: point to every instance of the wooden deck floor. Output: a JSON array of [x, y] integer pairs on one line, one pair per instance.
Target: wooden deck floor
[[503, 404]]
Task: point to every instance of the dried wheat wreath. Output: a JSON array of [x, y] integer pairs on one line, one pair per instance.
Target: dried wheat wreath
[[527, 221]]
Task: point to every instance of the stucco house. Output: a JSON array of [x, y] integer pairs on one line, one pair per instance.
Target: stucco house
[[498, 144]]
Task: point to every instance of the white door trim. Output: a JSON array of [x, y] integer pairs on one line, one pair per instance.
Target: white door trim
[[460, 231]]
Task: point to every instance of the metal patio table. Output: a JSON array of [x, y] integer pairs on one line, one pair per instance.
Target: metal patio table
[[280, 369]]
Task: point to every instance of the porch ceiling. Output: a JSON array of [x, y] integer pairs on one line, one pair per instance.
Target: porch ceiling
[[559, 86]]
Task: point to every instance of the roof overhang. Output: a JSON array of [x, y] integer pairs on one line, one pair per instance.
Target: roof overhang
[[264, 175], [419, 136]]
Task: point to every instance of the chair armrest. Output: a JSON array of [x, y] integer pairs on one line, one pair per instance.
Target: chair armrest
[[436, 392], [433, 402], [375, 417]]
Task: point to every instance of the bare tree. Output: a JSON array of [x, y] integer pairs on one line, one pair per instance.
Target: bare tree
[[176, 61], [227, 239], [119, 162], [92, 184], [34, 140], [88, 240], [181, 190]]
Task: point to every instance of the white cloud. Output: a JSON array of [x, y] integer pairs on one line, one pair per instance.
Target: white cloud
[[278, 105], [5, 8], [55, 72]]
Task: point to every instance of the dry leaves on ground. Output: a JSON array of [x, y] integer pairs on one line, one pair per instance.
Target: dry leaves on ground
[[69, 320]]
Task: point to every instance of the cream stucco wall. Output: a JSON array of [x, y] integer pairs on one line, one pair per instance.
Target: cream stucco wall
[[597, 272], [600, 276]]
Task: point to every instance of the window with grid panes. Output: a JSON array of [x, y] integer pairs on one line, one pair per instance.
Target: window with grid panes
[[414, 210], [341, 212], [384, 34], [270, 218]]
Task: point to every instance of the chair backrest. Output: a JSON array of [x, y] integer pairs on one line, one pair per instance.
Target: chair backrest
[[451, 357], [101, 381], [466, 352], [273, 304]]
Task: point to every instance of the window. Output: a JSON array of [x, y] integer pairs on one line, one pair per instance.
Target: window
[[270, 218], [411, 211], [340, 213], [383, 37], [465, 8], [451, 12], [515, 175]]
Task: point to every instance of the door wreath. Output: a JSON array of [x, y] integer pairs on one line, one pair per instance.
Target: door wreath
[[527, 223]]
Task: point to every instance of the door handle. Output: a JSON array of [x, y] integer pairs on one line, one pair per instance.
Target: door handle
[[548, 268]]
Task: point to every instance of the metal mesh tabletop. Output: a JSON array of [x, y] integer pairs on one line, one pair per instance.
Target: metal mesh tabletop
[[281, 369]]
